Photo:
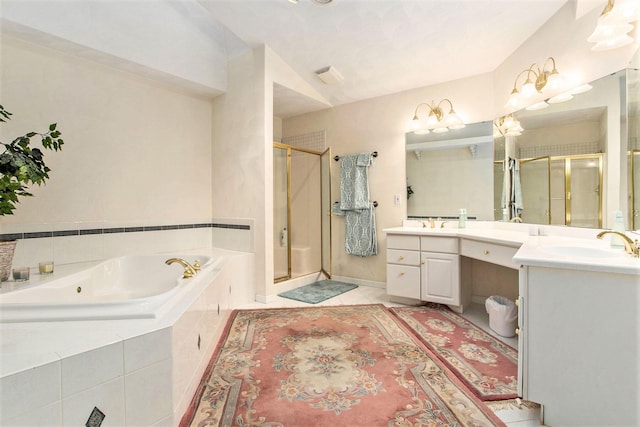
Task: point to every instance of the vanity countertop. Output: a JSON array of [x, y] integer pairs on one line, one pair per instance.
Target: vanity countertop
[[561, 247]]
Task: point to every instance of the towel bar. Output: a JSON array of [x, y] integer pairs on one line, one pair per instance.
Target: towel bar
[[374, 154]]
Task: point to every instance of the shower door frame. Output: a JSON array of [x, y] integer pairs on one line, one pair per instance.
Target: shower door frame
[[321, 155], [633, 212]]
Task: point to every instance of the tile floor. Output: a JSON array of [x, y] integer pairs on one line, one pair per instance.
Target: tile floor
[[512, 416]]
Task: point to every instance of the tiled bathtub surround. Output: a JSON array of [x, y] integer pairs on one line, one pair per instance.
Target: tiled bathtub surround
[[138, 372], [81, 242]]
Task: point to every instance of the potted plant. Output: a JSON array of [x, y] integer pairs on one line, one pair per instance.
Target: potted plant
[[21, 166]]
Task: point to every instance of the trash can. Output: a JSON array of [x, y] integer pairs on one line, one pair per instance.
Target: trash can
[[503, 315]]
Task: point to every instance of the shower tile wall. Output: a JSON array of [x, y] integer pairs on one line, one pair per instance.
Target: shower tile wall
[[559, 150], [311, 141]]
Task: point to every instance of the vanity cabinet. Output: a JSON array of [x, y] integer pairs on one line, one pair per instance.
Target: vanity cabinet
[[424, 268], [403, 266], [440, 270]]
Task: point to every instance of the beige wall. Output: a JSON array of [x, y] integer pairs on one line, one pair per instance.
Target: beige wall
[[135, 151], [379, 124]]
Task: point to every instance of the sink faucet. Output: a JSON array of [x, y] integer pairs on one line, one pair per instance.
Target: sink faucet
[[515, 219], [189, 270], [630, 246]]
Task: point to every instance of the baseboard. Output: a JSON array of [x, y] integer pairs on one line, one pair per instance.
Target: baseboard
[[360, 282]]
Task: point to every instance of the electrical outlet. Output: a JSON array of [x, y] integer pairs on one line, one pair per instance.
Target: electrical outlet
[[96, 418]]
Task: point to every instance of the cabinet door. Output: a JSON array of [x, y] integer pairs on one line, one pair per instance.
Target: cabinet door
[[440, 278], [403, 281]]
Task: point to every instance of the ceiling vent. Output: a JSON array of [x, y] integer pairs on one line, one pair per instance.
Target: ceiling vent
[[330, 75]]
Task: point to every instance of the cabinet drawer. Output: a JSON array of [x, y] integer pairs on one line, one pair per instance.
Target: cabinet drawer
[[439, 244], [400, 241], [490, 252], [399, 256], [403, 281]]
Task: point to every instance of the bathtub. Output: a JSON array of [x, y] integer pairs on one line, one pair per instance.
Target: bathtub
[[127, 287]]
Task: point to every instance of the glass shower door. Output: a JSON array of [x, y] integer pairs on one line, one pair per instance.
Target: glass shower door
[[281, 196], [584, 180], [325, 190], [536, 191]]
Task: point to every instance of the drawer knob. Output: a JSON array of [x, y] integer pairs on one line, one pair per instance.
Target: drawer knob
[[401, 257], [517, 331], [402, 273], [486, 251]]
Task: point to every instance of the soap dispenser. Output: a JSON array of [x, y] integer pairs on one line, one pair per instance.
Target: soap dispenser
[[618, 225], [462, 218]]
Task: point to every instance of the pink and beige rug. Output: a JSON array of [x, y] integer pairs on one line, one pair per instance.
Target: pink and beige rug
[[329, 366], [487, 365]]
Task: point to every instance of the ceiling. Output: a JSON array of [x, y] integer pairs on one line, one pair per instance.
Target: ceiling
[[380, 46]]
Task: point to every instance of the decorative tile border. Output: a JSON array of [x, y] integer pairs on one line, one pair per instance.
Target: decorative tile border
[[45, 234]]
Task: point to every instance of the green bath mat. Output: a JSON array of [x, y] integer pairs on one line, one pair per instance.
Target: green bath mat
[[318, 291]]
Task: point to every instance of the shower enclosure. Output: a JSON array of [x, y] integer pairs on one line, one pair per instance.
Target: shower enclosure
[[301, 212], [562, 190]]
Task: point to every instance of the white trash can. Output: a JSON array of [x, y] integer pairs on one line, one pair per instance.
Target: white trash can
[[503, 315]]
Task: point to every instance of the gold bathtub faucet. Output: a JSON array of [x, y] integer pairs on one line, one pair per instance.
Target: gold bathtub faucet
[[189, 270], [631, 247]]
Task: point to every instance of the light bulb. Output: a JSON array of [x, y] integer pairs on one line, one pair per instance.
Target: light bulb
[[612, 44], [581, 89], [560, 98], [605, 32], [555, 83], [537, 106], [528, 89]]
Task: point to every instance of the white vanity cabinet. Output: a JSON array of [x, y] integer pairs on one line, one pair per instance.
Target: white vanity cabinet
[[403, 266], [424, 268], [440, 270]]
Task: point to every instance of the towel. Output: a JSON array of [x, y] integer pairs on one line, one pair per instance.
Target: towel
[[517, 206], [360, 238], [360, 218], [354, 181]]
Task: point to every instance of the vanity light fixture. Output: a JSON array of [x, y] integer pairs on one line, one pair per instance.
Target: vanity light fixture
[[545, 79], [437, 121], [508, 126], [614, 25]]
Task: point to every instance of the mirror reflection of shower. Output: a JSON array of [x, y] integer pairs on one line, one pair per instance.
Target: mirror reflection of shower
[[297, 222]]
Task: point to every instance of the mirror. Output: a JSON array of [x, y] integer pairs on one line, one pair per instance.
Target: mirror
[[449, 171], [575, 164]]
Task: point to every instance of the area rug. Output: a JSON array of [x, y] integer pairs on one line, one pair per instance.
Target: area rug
[[318, 291], [329, 366], [487, 365]]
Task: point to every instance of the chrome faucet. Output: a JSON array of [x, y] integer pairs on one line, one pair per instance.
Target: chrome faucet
[[631, 247], [189, 270]]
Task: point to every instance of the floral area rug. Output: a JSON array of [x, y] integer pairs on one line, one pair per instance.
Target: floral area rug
[[487, 365], [329, 366]]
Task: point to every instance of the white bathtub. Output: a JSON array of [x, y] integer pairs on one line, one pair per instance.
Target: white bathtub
[[128, 287]]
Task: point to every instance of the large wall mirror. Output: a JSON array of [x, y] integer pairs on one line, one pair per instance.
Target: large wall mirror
[[574, 163], [450, 171]]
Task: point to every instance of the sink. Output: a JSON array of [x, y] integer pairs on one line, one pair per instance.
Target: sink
[[581, 251]]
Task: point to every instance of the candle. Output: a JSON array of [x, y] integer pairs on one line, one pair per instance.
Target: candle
[[20, 274], [46, 267]]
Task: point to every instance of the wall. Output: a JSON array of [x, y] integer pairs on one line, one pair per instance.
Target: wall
[[132, 149], [379, 124]]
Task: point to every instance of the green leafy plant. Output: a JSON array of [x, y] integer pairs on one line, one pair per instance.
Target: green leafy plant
[[21, 165]]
